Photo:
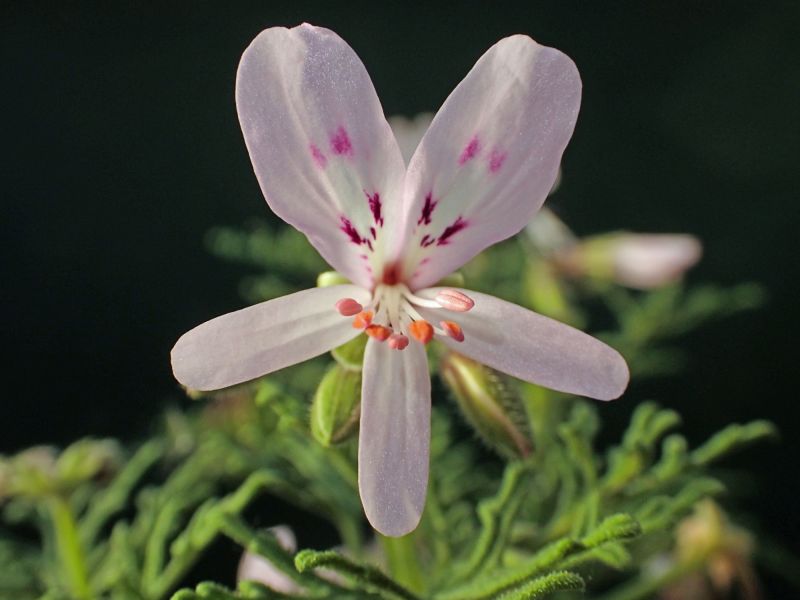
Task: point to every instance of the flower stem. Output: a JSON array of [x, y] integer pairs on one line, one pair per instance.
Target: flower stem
[[402, 559], [69, 548]]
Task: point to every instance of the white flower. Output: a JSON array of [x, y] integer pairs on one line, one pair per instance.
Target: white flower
[[253, 567], [649, 260], [329, 165]]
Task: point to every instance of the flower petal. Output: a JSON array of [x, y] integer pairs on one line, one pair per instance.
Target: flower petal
[[324, 155], [532, 347], [490, 157], [394, 438], [257, 340]]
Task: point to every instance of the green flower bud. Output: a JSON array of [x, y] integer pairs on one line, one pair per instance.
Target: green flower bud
[[87, 459], [350, 355], [329, 278], [336, 407], [547, 295], [489, 404], [40, 471], [455, 279]]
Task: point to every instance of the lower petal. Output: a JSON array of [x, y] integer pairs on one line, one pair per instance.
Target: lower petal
[[257, 340], [394, 439], [537, 349]]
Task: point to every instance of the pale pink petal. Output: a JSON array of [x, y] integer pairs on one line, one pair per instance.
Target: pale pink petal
[[394, 436], [257, 340], [322, 150], [490, 157], [528, 346]]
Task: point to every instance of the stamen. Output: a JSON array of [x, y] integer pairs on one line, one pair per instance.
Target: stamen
[[421, 330], [348, 307], [363, 319], [378, 332], [397, 341], [454, 300], [452, 330]]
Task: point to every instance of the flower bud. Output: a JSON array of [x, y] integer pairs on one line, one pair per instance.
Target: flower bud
[[350, 355], [549, 233], [336, 407], [41, 471], [489, 405], [253, 567], [640, 261], [329, 278]]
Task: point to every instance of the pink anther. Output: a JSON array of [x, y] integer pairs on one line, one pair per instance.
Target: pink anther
[[348, 307], [397, 341], [454, 300]]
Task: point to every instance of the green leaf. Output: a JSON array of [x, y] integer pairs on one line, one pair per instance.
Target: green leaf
[[365, 576]]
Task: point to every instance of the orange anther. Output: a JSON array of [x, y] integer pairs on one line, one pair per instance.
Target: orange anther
[[452, 330], [348, 307], [454, 300], [378, 332], [363, 319], [397, 341], [421, 330]]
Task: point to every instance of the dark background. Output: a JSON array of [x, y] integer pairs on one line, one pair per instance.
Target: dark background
[[120, 147]]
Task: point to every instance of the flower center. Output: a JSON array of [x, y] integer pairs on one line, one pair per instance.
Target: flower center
[[392, 315]]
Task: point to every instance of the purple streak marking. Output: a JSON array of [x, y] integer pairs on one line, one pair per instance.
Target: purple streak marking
[[375, 207], [426, 241], [340, 143], [496, 160], [470, 151], [318, 156], [350, 231], [450, 231], [427, 210]]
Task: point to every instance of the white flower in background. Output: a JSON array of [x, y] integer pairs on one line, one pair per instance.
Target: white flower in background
[[329, 165], [651, 260], [253, 567], [636, 260]]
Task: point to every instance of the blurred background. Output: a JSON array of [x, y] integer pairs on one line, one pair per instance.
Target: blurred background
[[121, 149]]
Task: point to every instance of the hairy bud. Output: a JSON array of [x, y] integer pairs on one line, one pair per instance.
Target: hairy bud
[[488, 403], [336, 406]]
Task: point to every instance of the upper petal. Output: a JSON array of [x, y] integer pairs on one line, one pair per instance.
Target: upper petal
[[490, 157], [394, 436], [532, 347], [324, 155], [257, 340]]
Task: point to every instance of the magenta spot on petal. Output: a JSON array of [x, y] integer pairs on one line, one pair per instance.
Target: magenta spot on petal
[[372, 232], [369, 244], [425, 260], [318, 156], [450, 231], [496, 160], [340, 143], [350, 231], [470, 151], [374, 201], [427, 210]]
